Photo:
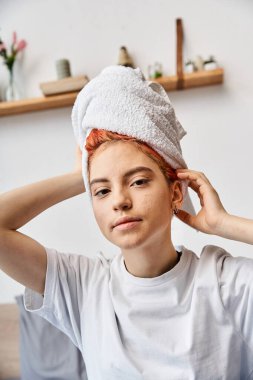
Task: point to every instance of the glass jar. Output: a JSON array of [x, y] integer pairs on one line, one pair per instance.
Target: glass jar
[[11, 92]]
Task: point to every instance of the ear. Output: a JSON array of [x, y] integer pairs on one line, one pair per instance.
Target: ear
[[176, 194]]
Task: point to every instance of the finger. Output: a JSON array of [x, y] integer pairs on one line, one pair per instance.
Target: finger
[[197, 181], [192, 175], [197, 190], [194, 186]]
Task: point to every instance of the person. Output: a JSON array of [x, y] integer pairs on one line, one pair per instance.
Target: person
[[151, 311]]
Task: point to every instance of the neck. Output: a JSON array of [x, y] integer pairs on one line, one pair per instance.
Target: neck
[[151, 261]]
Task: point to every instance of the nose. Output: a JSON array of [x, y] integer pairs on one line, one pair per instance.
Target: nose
[[121, 200]]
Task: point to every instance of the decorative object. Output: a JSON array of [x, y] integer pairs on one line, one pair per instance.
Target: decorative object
[[210, 64], [155, 71], [199, 63], [63, 68], [9, 58], [11, 91], [189, 66], [65, 85], [124, 58]]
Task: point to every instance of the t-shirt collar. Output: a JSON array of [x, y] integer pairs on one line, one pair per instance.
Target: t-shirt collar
[[151, 281]]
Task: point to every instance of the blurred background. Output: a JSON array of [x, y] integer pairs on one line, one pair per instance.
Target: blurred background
[[218, 119]]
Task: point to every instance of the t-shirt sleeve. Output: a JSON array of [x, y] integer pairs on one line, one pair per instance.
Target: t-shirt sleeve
[[68, 278], [236, 288]]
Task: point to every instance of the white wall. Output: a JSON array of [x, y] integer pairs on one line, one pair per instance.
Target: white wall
[[218, 119]]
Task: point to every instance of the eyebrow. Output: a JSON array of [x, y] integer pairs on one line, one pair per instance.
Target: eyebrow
[[126, 175]]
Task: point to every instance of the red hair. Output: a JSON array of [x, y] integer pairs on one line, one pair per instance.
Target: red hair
[[97, 137]]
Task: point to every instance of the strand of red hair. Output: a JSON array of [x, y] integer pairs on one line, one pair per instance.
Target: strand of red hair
[[97, 137]]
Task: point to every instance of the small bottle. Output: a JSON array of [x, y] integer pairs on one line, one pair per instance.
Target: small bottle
[[150, 71], [158, 71], [63, 68], [199, 63], [210, 64], [189, 66], [155, 71], [124, 58]]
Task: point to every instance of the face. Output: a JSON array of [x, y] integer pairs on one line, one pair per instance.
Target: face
[[119, 190]]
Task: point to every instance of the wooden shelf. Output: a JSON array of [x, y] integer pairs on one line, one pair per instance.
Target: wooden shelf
[[171, 83], [180, 81], [37, 104], [190, 80]]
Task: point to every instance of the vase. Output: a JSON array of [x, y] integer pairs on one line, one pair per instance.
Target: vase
[[11, 92]]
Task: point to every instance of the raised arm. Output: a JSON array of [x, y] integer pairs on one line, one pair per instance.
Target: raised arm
[[213, 218], [21, 257], [236, 228]]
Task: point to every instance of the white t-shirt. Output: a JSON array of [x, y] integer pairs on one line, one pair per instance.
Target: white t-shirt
[[192, 322]]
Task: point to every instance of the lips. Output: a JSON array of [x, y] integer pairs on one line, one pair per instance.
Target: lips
[[126, 219]]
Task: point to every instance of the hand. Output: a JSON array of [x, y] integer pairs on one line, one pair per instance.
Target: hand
[[78, 160], [212, 214]]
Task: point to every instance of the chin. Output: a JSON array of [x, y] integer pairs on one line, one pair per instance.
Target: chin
[[129, 241]]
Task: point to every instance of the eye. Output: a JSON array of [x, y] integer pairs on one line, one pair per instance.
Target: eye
[[141, 181], [101, 193]]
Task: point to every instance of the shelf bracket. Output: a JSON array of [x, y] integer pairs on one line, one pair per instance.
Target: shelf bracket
[[180, 36]]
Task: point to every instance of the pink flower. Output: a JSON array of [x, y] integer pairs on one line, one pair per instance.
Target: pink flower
[[9, 57], [2, 47], [21, 45], [14, 38]]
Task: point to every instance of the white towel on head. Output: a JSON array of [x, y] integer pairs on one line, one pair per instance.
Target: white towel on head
[[121, 100]]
